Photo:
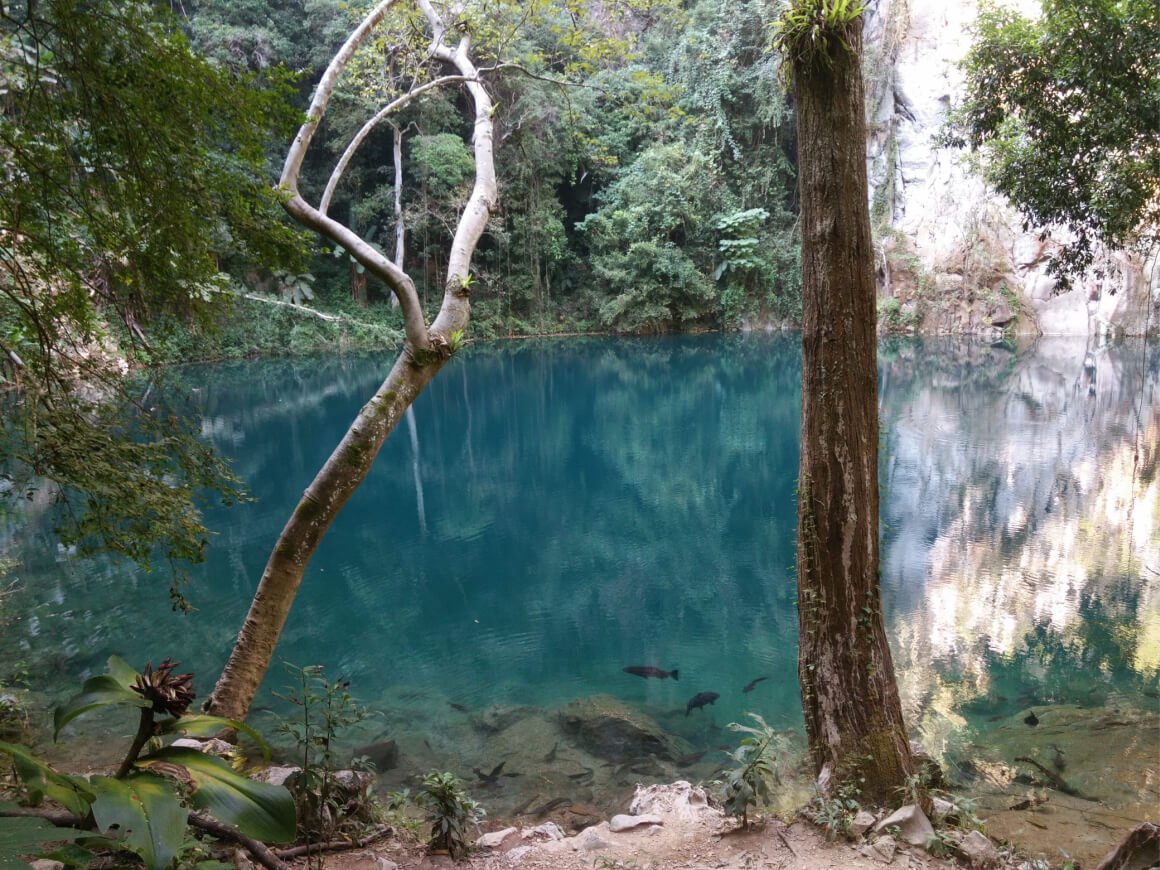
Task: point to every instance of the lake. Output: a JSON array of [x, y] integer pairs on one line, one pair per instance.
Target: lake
[[553, 512]]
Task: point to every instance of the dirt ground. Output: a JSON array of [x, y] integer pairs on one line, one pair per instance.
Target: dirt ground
[[690, 836]]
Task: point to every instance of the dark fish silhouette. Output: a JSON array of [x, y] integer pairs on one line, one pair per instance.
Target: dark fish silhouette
[[1057, 759], [752, 684], [649, 671], [489, 778], [700, 700], [1031, 719], [551, 756], [457, 707]]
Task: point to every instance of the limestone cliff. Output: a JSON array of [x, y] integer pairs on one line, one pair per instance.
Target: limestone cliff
[[952, 254]]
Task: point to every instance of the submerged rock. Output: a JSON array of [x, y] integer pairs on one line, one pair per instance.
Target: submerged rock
[[498, 717], [384, 754], [607, 728]]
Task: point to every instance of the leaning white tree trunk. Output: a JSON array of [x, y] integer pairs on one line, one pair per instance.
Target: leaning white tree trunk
[[425, 350]]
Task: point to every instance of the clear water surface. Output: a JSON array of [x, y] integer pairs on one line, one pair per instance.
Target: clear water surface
[[553, 512]]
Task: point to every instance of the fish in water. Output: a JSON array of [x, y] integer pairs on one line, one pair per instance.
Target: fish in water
[[700, 700], [1057, 759], [1031, 719], [752, 684], [551, 756], [489, 778], [459, 708], [647, 671]]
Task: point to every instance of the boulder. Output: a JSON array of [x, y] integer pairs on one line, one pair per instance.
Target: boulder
[[607, 728], [940, 808], [622, 822], [383, 753], [277, 774], [913, 825], [212, 746], [546, 831], [862, 823], [882, 850], [681, 799], [495, 839], [589, 840], [1002, 314], [979, 852]]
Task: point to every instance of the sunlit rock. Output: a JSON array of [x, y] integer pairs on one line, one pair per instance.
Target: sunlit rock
[[622, 822], [913, 825]]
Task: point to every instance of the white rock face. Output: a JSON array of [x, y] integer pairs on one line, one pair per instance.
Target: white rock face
[[950, 219], [914, 827], [682, 799], [620, 823], [494, 839]]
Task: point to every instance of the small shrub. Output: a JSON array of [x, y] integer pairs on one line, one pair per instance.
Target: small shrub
[[327, 803], [450, 811], [835, 814], [747, 784]]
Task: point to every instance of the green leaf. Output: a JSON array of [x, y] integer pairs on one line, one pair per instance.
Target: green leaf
[[121, 671], [20, 837], [147, 813], [41, 781], [265, 812], [103, 691], [203, 725]]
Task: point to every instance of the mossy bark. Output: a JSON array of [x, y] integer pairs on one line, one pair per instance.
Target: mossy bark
[[849, 695], [334, 483]]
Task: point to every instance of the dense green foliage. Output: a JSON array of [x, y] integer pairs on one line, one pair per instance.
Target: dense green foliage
[[628, 136], [1066, 113], [134, 175]]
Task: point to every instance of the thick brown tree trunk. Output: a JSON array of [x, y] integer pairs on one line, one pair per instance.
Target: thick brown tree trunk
[[852, 710]]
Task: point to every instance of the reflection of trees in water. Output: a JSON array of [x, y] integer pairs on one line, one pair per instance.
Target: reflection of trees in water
[[1023, 510]]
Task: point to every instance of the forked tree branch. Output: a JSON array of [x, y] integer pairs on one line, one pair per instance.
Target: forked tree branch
[[380, 116]]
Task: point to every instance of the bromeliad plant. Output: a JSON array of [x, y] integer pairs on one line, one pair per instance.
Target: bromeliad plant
[[812, 31], [149, 804]]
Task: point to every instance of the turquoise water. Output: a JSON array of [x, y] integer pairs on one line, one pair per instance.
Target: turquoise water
[[561, 510]]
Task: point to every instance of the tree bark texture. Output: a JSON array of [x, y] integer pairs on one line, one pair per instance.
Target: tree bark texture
[[425, 352], [849, 695]]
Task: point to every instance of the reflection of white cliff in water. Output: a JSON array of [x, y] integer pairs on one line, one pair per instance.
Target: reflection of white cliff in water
[[1020, 501]]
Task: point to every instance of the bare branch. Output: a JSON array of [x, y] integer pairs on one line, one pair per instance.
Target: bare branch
[[455, 310], [379, 117], [322, 94]]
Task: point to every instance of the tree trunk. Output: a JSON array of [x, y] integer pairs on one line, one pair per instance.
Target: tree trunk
[[424, 354], [849, 695]]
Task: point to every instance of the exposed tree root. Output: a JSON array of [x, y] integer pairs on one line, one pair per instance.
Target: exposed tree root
[[334, 845]]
